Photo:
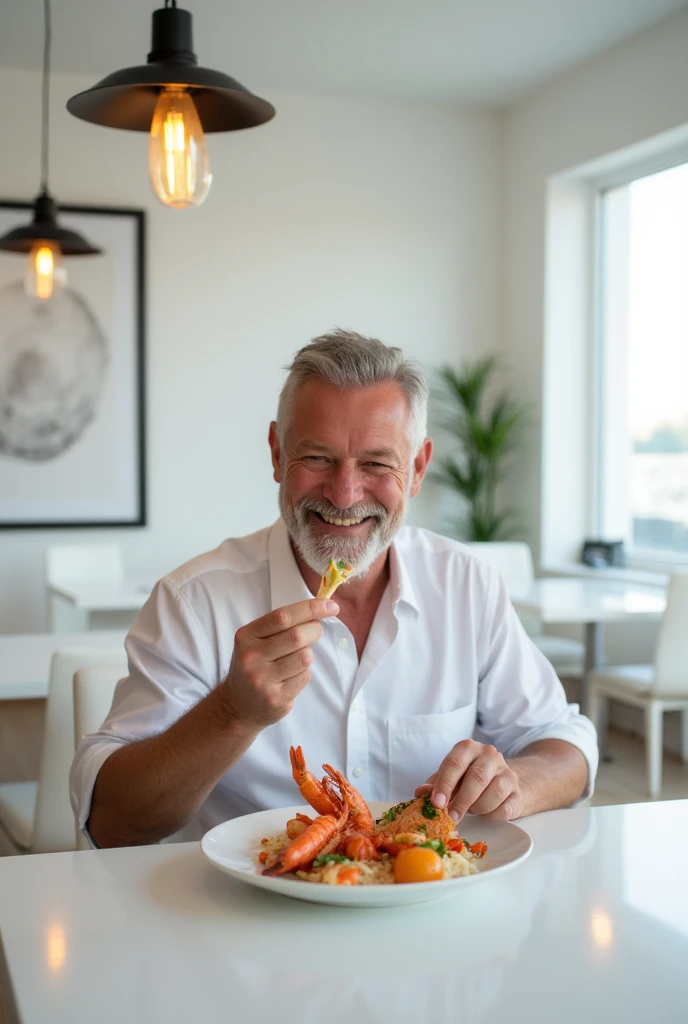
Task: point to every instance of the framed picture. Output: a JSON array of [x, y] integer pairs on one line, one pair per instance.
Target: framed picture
[[72, 423]]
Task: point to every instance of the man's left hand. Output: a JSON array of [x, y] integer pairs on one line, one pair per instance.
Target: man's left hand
[[475, 777]]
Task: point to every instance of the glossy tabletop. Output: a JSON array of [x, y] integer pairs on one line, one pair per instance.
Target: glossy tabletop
[[593, 927], [585, 600]]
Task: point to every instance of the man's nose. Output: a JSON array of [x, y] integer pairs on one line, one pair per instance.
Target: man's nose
[[343, 487]]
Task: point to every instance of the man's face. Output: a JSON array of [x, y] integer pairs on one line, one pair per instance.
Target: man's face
[[346, 471]]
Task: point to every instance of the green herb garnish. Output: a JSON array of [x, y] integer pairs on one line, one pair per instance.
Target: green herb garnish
[[422, 828], [341, 565], [330, 858], [428, 810], [393, 812], [437, 845]]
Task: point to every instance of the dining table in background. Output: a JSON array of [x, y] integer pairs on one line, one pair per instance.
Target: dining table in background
[[73, 605], [593, 926], [591, 603]]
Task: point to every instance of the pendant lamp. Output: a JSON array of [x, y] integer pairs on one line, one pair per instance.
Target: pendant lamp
[[177, 102], [44, 240]]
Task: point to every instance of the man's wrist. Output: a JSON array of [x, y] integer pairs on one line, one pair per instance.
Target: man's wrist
[[228, 720]]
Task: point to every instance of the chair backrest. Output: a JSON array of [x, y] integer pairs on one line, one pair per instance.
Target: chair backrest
[[54, 820], [513, 559], [671, 649], [93, 690], [80, 562]]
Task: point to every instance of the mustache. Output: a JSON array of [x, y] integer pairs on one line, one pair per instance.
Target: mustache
[[360, 510]]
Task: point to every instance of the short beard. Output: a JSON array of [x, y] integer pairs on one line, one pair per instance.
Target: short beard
[[317, 548]]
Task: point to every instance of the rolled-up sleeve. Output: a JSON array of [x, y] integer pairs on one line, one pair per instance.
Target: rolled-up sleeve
[[170, 669], [520, 698]]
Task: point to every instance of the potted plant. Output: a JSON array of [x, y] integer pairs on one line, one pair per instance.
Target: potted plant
[[485, 431]]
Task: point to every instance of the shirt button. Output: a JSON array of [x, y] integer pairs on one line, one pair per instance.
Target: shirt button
[[343, 642], [354, 706], [358, 772]]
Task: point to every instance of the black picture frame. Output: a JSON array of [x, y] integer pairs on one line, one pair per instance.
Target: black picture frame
[[108, 228]]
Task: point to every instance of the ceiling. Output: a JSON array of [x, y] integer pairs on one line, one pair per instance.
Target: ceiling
[[477, 51]]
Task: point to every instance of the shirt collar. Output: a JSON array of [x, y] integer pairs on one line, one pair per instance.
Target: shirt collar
[[400, 581], [287, 585]]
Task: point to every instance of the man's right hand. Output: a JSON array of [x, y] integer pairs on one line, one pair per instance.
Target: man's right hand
[[271, 662]]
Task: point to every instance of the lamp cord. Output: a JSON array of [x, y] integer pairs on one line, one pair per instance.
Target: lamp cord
[[45, 114]]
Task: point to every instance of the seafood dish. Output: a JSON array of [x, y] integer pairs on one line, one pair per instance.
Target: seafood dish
[[413, 841]]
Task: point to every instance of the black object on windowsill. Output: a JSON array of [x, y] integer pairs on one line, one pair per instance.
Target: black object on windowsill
[[601, 554]]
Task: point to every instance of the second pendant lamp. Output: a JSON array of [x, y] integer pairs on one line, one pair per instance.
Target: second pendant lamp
[[177, 102], [44, 239]]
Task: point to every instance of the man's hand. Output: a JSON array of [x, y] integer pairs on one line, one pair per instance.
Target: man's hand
[[476, 778], [271, 662]]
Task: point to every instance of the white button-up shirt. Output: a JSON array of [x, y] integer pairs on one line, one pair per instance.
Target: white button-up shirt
[[446, 658]]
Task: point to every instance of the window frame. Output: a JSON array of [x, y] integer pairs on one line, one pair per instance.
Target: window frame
[[599, 185]]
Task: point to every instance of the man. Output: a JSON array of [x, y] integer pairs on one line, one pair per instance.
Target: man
[[232, 660]]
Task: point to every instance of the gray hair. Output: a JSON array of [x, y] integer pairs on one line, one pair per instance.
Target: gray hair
[[347, 361]]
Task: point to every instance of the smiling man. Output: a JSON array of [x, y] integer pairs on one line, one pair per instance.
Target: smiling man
[[232, 660]]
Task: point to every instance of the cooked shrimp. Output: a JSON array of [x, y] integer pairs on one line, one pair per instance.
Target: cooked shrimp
[[361, 818], [357, 847], [311, 790], [309, 844], [295, 827]]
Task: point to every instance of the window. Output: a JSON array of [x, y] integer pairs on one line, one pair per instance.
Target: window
[[642, 365]]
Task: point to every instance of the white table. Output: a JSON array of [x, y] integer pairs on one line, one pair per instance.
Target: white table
[[585, 930], [592, 603], [25, 658], [74, 603]]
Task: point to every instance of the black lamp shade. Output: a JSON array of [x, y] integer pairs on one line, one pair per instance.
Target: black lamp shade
[[127, 98], [44, 227]]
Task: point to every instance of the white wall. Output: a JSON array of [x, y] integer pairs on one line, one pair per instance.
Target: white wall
[[380, 216]]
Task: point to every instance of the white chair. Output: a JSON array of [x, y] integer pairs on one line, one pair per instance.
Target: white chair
[[93, 690], [36, 817], [514, 561], [77, 563], [656, 688]]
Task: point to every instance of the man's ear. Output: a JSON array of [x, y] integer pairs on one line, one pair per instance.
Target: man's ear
[[275, 451], [420, 464]]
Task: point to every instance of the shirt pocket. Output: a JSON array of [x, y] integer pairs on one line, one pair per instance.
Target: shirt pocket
[[417, 745]]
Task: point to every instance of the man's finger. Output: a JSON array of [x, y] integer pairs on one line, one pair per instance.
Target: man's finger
[[291, 665], [475, 781], [499, 790], [427, 785], [290, 615], [296, 638], [452, 770]]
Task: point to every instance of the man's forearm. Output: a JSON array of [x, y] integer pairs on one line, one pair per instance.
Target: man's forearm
[[551, 774], [149, 789]]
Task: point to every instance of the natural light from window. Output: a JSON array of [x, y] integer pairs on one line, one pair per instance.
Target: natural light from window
[[644, 393]]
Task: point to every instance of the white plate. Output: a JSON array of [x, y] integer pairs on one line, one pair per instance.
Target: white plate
[[233, 846]]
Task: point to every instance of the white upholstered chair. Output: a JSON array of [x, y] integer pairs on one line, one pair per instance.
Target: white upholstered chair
[[79, 562], [93, 689], [36, 817], [656, 688], [70, 564], [514, 561]]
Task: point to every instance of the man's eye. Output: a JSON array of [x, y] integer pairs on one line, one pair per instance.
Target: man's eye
[[378, 465], [315, 458]]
